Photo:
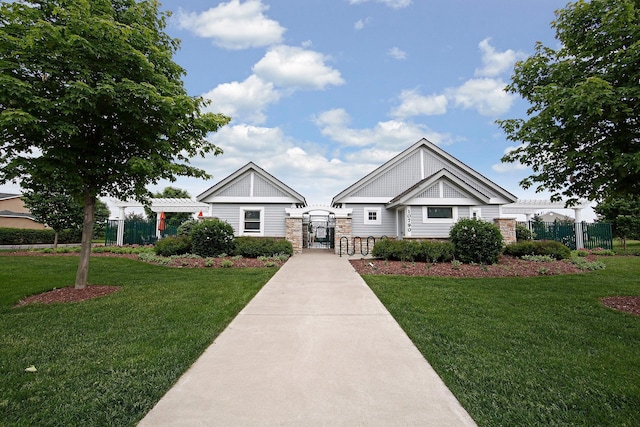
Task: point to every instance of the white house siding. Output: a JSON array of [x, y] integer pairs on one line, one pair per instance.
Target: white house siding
[[240, 188], [274, 216], [360, 229], [395, 180]]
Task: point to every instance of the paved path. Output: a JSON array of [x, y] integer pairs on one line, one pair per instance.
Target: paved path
[[315, 347]]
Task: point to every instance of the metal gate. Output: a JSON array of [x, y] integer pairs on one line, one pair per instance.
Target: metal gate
[[135, 232], [319, 231]]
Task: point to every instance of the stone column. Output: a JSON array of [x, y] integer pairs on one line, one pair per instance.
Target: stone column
[[343, 229], [294, 233], [507, 228]]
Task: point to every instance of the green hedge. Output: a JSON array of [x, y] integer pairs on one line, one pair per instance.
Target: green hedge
[[26, 236], [254, 247], [174, 245], [212, 237], [538, 247], [413, 250]]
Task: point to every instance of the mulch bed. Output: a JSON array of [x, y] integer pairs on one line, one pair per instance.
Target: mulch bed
[[506, 267]]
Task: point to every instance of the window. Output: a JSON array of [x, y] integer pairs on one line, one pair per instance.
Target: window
[[433, 212], [373, 216], [444, 214], [251, 221]]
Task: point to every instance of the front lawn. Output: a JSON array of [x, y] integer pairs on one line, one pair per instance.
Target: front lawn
[[528, 351], [107, 361]]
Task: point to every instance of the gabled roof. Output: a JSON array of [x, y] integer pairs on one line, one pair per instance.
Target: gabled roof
[[252, 167], [448, 161], [11, 214], [419, 187], [5, 196]]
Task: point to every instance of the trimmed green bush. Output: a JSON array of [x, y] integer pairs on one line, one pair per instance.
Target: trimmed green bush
[[476, 241], [212, 237], [436, 251], [170, 246], [254, 247], [26, 236], [413, 250], [185, 228], [523, 233], [538, 247]]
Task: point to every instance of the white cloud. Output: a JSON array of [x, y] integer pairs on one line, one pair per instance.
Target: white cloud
[[395, 4], [361, 23], [397, 53], [393, 133], [296, 68], [243, 101], [487, 96], [494, 62], [234, 25], [414, 104], [508, 167]]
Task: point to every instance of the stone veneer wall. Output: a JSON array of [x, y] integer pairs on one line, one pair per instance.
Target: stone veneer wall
[[343, 229], [294, 233], [507, 228]]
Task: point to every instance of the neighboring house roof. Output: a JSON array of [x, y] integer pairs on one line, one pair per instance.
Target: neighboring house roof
[[11, 214], [251, 184], [413, 166], [5, 196], [555, 216]]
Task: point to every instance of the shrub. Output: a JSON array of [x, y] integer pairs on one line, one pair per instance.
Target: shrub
[[185, 228], [25, 236], [170, 246], [538, 247], [476, 241], [212, 237], [254, 247], [436, 251], [523, 233], [413, 250]]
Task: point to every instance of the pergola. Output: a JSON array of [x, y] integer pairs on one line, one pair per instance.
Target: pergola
[[157, 205], [530, 207]]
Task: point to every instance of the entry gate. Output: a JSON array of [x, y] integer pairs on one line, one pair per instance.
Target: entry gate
[[320, 231]]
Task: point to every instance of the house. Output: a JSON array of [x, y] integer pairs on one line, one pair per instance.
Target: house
[[421, 193], [14, 214], [552, 216], [252, 201]]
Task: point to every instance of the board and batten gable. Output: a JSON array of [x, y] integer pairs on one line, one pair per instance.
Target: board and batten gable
[[252, 201], [421, 193]]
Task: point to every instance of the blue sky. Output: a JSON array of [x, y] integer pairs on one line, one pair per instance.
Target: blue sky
[[321, 92]]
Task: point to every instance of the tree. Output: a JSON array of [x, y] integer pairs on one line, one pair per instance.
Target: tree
[[89, 92], [50, 204], [582, 134], [624, 215], [172, 218]]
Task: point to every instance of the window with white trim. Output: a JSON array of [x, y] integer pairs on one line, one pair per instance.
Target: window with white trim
[[443, 214], [373, 216], [252, 221]]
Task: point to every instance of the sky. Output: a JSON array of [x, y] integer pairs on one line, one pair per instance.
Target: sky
[[322, 92]]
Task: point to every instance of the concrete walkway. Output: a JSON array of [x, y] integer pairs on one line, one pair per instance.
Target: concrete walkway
[[315, 347]]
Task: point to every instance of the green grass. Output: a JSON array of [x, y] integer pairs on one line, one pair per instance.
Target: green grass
[[107, 361], [633, 247], [528, 351]]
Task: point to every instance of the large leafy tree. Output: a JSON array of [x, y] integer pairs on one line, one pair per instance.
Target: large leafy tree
[[582, 133], [89, 92], [624, 215]]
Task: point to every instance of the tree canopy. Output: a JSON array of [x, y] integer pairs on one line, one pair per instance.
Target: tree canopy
[[582, 134], [172, 218], [624, 215], [89, 92]]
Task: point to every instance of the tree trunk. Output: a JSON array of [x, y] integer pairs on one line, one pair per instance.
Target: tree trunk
[[55, 241], [87, 235]]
